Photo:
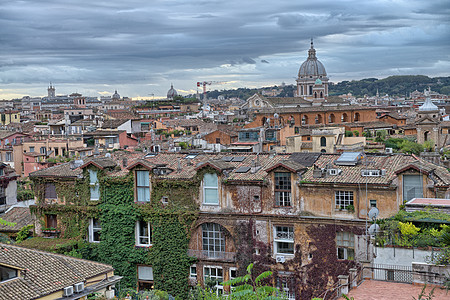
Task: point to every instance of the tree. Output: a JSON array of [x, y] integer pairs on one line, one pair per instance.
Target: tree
[[243, 288]]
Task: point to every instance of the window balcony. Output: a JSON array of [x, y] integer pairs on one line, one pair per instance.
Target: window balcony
[[213, 255]]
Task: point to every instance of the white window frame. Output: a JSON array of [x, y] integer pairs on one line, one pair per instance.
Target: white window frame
[[213, 240], [230, 277], [283, 237], [94, 185], [283, 196], [193, 275], [139, 234], [9, 156], [212, 188], [371, 173], [343, 199], [92, 230], [218, 286], [284, 286], [143, 187], [345, 246]]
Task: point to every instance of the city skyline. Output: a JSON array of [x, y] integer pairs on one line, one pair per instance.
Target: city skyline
[[141, 48]]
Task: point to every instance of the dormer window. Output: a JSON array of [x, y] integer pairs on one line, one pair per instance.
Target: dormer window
[[143, 186], [283, 189], [371, 173], [334, 172], [210, 189], [94, 186]]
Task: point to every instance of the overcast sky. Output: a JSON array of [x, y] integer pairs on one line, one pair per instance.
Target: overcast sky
[[141, 47]]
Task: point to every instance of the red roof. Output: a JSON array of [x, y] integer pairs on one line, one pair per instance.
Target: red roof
[[382, 290], [431, 201]]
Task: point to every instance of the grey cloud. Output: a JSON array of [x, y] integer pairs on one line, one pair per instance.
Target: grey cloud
[[140, 42]]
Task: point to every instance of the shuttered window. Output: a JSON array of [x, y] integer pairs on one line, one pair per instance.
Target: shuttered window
[[50, 191]]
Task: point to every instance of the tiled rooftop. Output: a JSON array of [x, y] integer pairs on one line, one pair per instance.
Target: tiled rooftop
[[382, 290], [44, 272], [21, 216]]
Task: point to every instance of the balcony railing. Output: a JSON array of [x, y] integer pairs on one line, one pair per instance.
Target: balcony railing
[[213, 255]]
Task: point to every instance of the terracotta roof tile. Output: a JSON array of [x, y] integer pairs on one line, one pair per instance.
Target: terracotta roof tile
[[44, 272], [19, 215]]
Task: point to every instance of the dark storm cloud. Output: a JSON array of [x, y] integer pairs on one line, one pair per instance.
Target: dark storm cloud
[[155, 42]]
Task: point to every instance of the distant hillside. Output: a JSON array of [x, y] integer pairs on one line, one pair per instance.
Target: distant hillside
[[393, 85]]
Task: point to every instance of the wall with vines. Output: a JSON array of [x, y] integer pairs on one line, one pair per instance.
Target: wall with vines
[[118, 213], [313, 269]]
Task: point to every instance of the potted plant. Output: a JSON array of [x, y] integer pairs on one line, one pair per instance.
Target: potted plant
[[350, 208]]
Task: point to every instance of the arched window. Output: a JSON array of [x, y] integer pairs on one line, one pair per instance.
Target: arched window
[[323, 151], [315, 94], [310, 90], [318, 119], [304, 120], [210, 189], [321, 94], [331, 118], [426, 136], [344, 117], [323, 142], [357, 117]]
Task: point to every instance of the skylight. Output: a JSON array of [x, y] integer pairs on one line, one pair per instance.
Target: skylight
[[239, 158], [191, 156], [348, 158], [242, 170]]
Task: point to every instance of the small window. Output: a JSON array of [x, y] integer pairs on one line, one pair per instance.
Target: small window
[[210, 189], [165, 200], [143, 186], [216, 274], [283, 189], [345, 242], [343, 199], [51, 221], [193, 272], [145, 277], [94, 230], [323, 141], [50, 191], [94, 186], [284, 240], [31, 149], [373, 203], [143, 234], [370, 173]]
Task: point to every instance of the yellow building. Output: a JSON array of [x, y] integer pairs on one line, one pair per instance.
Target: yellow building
[[9, 116]]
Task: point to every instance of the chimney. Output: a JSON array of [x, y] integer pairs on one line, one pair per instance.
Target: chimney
[[124, 162], [179, 165]]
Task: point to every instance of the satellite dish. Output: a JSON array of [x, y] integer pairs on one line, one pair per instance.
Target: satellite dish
[[373, 229], [363, 212], [373, 213]]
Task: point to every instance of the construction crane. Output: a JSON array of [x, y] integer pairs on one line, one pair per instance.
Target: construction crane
[[204, 84]]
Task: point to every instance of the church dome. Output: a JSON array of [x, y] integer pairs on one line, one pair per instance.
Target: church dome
[[116, 96], [428, 105], [172, 92], [312, 66]]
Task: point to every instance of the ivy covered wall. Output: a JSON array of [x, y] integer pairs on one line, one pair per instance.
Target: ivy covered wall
[[118, 213]]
